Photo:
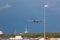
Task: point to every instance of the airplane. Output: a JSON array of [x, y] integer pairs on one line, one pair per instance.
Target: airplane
[[36, 21]]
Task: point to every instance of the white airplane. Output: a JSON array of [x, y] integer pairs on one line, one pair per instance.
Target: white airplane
[[36, 21]]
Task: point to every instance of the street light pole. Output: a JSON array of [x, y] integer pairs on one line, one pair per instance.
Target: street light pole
[[45, 6]]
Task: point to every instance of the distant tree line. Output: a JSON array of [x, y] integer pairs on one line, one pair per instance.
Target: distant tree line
[[33, 35]]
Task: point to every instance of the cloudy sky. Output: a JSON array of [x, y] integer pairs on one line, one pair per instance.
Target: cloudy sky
[[15, 15]]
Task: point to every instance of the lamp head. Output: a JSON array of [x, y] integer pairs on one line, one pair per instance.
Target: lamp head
[[45, 5]]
